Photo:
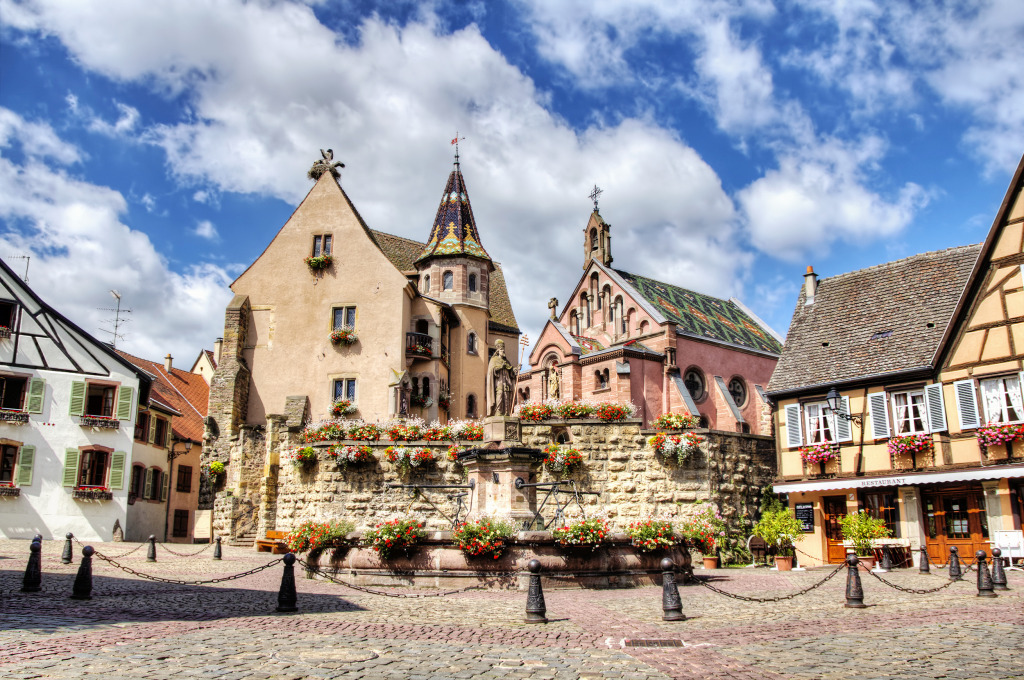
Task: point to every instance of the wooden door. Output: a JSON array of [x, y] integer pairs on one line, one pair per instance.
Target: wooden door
[[955, 517], [834, 507]]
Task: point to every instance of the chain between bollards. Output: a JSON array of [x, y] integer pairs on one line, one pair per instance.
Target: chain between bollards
[[65, 557], [984, 580], [216, 550], [82, 590], [286, 596], [33, 578], [535, 608], [854, 591], [151, 551], [671, 605], [998, 575]]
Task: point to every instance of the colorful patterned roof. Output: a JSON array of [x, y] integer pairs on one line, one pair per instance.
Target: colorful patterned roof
[[704, 316], [454, 231], [588, 345]]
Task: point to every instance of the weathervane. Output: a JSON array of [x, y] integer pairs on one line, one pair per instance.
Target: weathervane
[[595, 194], [456, 143]]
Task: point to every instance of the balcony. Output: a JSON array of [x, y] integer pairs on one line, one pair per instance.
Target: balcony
[[419, 345], [13, 417], [9, 491], [92, 494], [100, 422]]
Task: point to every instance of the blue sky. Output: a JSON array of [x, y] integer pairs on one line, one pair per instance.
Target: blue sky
[[155, 148]]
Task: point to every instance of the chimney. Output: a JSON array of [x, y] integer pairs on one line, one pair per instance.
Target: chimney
[[810, 285], [167, 363], [217, 345]]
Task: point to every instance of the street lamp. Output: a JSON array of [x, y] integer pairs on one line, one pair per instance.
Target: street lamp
[[171, 455], [835, 405]]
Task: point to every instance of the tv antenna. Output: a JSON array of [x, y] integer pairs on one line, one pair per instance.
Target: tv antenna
[[117, 321], [27, 259]]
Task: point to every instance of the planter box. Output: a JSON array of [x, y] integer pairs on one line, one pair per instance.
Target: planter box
[[100, 423], [10, 491], [92, 495], [13, 417]]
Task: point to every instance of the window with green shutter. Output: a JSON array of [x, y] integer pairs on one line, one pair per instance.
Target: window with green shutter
[[125, 399], [71, 467], [77, 406], [26, 460], [36, 392], [117, 470]]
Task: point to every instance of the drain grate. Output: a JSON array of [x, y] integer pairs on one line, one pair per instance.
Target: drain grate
[[652, 643]]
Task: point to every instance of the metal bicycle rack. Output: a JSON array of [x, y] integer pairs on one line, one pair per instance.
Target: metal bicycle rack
[[456, 497], [553, 490]]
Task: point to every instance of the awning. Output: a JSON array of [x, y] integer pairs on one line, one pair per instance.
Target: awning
[[909, 479]]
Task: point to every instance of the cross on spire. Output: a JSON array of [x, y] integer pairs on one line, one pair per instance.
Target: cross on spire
[[594, 195]]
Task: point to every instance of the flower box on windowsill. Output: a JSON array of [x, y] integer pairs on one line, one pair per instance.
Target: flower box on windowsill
[[10, 491], [95, 494], [318, 263], [13, 417], [101, 422], [5, 332]]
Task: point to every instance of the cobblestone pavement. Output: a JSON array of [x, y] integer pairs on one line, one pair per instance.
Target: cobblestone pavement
[[135, 628]]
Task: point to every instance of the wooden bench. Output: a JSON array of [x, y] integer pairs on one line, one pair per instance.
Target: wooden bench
[[274, 543]]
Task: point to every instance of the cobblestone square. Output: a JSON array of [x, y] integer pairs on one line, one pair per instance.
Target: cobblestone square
[[137, 628]]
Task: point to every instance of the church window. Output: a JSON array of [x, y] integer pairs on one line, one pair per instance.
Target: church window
[[471, 343], [472, 283], [322, 245], [447, 281], [426, 283], [345, 388], [342, 317], [471, 406], [738, 390], [601, 379], [694, 381]]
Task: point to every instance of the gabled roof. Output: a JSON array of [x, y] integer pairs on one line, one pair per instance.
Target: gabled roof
[[703, 316], [454, 231], [187, 393], [401, 251], [885, 319]]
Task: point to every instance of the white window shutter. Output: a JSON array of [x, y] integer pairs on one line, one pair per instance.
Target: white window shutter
[[844, 433], [794, 434], [879, 415], [936, 407], [967, 404]]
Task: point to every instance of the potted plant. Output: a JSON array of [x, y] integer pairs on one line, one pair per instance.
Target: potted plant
[[485, 537], [861, 529], [780, 529], [216, 468], [702, 532], [393, 536]]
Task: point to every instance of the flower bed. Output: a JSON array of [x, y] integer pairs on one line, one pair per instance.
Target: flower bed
[[405, 458], [994, 434], [676, 421], [652, 534], [342, 407], [346, 335], [536, 412], [558, 459], [351, 455], [582, 532], [681, 446], [318, 263], [485, 537], [819, 453], [394, 535]]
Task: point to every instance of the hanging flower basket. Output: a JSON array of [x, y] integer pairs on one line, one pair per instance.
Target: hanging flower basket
[[994, 434], [303, 456], [652, 534], [681, 446], [346, 335], [583, 533], [485, 537], [342, 407], [561, 460], [351, 455], [319, 263], [819, 453], [395, 536]]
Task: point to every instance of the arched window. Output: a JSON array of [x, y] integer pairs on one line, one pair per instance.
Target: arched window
[[601, 379], [644, 325], [471, 343], [471, 406], [447, 281], [472, 283], [586, 308], [593, 238], [426, 283], [415, 385], [693, 378], [627, 320], [425, 388]]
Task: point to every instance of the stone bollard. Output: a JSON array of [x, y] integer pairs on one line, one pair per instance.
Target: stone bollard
[[33, 579], [854, 591], [922, 561], [65, 557], [954, 564], [151, 550], [998, 575], [670, 602], [82, 590], [535, 609], [216, 550], [286, 598], [984, 579]]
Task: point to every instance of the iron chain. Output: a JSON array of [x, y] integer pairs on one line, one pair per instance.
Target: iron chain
[[116, 557], [370, 591], [163, 546], [179, 582], [916, 591], [762, 600]]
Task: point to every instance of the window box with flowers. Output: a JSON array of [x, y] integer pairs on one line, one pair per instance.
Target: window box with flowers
[[92, 493], [318, 263], [13, 417], [395, 536], [100, 422], [911, 447], [614, 412], [342, 407], [562, 460], [345, 335], [678, 446], [994, 434], [5, 332], [820, 454]]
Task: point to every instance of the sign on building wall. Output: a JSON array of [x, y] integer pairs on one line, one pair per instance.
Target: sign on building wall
[[805, 515]]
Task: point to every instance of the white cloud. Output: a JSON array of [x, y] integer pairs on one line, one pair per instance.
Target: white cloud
[[205, 229], [148, 202], [80, 249], [125, 123], [37, 140]]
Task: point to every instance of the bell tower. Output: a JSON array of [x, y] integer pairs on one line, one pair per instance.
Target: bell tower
[[597, 237]]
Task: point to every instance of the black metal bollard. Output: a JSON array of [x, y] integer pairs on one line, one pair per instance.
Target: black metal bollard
[[886, 560], [984, 579], [922, 561], [670, 602], [954, 564], [286, 598], [82, 590], [38, 538], [854, 591], [65, 557], [998, 575], [216, 550], [151, 551], [535, 609], [33, 579]]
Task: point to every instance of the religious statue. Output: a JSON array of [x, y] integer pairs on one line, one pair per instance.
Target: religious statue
[[553, 381], [500, 378], [553, 306], [325, 164]]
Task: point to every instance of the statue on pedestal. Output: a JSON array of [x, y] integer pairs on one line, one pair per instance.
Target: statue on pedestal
[[500, 382]]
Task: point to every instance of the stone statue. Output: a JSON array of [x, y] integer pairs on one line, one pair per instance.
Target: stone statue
[[325, 164], [500, 382], [553, 306], [553, 381]]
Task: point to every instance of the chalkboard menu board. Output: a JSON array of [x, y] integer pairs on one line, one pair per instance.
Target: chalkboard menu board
[[805, 514]]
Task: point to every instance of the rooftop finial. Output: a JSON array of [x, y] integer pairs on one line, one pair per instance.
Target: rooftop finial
[[595, 194], [455, 141]]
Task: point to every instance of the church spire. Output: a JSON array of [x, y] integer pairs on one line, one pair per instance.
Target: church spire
[[454, 232], [597, 235]]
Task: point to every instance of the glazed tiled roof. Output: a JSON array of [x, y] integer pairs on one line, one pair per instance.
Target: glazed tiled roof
[[501, 305], [588, 345], [704, 316], [884, 319], [454, 231], [185, 392]]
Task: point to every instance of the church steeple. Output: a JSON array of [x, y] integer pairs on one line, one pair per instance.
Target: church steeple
[[454, 233], [597, 240]]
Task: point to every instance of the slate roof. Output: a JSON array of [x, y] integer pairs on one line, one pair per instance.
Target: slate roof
[[704, 316], [873, 321], [454, 231], [185, 392]]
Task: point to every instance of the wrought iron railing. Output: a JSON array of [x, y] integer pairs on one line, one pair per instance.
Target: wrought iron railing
[[101, 422], [419, 345]]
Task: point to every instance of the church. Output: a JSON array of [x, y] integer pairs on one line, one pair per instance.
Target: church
[[623, 337], [335, 319]]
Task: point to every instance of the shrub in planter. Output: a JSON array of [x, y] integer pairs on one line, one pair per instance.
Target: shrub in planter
[[558, 459], [861, 529], [582, 532], [779, 528], [405, 458], [703, 530], [393, 536], [485, 537], [676, 421], [652, 534], [312, 535]]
